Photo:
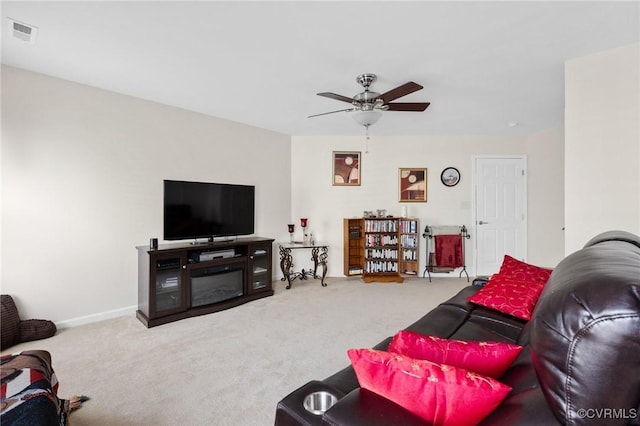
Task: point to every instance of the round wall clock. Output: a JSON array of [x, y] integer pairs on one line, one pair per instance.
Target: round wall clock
[[450, 176]]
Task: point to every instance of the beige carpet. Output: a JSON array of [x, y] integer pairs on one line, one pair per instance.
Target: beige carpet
[[230, 367]]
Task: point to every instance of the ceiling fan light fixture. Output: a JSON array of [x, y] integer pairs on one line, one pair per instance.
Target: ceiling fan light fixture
[[366, 118], [367, 106]]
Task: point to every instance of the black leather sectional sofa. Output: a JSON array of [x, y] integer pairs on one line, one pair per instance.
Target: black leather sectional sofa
[[580, 362]]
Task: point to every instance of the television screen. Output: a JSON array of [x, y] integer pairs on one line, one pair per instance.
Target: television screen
[[199, 210]]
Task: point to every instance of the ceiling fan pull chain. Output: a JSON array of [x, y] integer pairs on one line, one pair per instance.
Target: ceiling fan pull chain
[[366, 141]]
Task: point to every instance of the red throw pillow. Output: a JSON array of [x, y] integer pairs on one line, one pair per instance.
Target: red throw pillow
[[510, 296], [440, 394], [487, 358], [519, 270]]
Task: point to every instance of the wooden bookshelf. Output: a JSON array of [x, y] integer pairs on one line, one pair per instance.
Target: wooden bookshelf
[[381, 249]]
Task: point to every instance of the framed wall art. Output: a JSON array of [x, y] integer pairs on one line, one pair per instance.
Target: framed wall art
[[413, 185], [346, 168]]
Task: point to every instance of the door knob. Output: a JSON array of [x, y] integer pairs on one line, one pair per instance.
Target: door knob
[[482, 223]]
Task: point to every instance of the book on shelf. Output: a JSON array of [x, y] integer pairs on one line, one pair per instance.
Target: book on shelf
[[381, 225], [353, 270], [374, 267], [408, 226]]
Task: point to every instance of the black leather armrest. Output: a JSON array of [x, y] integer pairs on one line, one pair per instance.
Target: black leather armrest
[[291, 411], [480, 281], [363, 407]]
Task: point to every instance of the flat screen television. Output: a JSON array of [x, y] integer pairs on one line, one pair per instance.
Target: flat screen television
[[206, 210]]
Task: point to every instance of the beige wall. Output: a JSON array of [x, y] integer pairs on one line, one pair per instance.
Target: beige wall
[[82, 173], [326, 205], [602, 144], [546, 196]]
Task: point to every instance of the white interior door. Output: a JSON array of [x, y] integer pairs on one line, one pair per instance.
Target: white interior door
[[500, 211]]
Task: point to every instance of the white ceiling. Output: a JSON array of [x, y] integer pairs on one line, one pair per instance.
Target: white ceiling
[[482, 64]]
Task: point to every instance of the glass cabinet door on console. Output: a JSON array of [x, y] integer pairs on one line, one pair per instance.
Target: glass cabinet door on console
[[167, 279], [259, 268]]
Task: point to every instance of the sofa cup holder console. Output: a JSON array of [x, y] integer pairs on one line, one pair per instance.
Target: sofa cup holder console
[[319, 402]]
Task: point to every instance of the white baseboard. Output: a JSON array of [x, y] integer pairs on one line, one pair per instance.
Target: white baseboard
[[88, 319]]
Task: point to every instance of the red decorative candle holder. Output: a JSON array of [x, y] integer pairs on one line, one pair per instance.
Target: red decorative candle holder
[[303, 223]]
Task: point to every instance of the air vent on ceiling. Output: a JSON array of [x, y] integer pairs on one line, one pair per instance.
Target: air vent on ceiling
[[21, 31]]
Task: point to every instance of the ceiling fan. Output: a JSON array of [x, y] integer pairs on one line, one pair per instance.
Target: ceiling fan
[[368, 104]]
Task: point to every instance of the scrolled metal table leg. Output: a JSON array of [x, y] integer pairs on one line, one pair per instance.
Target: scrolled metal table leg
[[314, 258], [323, 262], [286, 260]]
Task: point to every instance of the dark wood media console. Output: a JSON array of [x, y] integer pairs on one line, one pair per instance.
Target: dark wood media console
[[182, 280]]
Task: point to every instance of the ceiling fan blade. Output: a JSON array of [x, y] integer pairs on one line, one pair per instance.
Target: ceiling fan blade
[[332, 112], [408, 106], [336, 97], [400, 91]]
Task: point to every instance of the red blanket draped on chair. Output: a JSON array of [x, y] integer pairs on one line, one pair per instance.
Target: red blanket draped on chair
[[449, 250]]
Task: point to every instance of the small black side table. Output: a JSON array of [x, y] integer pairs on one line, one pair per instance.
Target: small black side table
[[318, 255]]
